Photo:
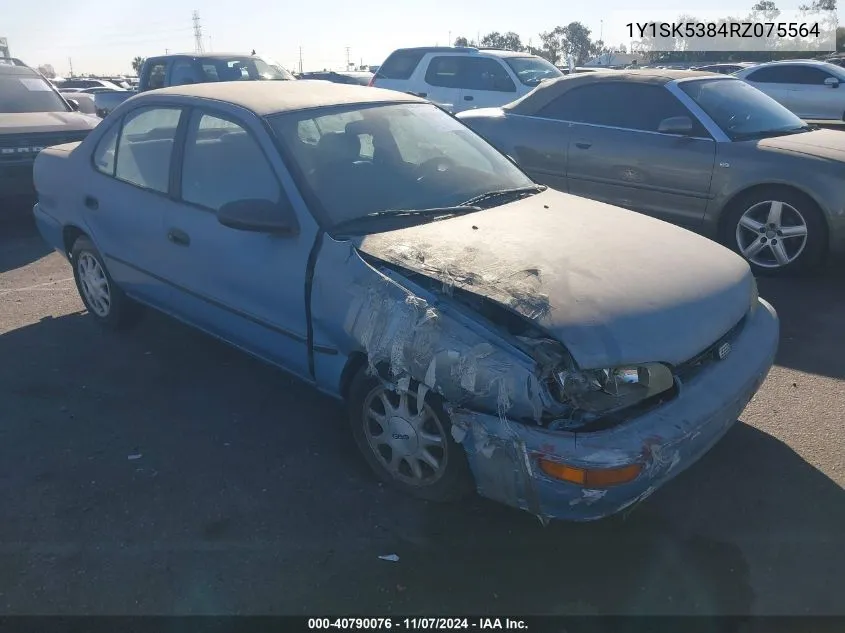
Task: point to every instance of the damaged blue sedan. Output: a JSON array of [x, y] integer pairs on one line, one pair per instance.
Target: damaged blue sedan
[[557, 354]]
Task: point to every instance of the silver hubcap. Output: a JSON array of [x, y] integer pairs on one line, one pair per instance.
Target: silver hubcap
[[405, 435], [95, 285], [771, 234]]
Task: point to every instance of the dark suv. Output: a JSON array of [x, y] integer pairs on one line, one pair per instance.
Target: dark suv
[[33, 115]]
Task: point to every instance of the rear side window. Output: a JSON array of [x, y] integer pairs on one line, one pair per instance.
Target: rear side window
[[145, 147], [444, 71], [400, 65]]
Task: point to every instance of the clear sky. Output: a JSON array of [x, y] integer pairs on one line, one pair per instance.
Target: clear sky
[[103, 37]]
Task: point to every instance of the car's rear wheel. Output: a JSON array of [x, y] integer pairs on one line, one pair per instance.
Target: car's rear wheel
[[777, 230], [105, 301], [407, 440]]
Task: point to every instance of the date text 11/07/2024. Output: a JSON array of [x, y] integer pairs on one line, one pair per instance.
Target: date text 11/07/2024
[[418, 624], [723, 29]]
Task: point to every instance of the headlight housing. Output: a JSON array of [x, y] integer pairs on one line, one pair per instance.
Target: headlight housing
[[604, 390]]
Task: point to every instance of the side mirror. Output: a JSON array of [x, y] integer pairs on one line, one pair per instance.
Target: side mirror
[[74, 104], [675, 125], [833, 82], [258, 216]]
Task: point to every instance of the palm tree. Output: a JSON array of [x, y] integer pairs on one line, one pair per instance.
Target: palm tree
[[137, 63]]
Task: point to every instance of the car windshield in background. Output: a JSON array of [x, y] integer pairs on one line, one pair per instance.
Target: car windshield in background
[[742, 111], [366, 161], [28, 94], [532, 70], [243, 69]]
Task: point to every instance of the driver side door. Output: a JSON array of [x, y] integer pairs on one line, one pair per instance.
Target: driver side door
[[248, 288]]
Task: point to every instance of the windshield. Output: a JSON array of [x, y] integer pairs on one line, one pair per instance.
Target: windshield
[[742, 111], [28, 94], [532, 70], [246, 68], [361, 160]]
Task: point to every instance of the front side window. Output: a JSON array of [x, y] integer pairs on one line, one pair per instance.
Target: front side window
[[630, 106], [224, 163], [789, 74], [145, 147], [28, 93], [363, 160], [740, 110], [532, 70]]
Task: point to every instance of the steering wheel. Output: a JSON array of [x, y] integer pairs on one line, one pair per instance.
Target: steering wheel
[[432, 166]]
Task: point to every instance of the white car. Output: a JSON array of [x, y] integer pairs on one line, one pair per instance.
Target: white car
[[462, 78], [811, 89]]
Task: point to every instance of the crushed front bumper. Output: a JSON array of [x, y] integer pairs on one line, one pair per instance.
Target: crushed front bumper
[[504, 454]]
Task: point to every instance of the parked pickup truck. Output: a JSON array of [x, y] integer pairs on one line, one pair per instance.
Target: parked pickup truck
[[195, 68], [33, 115]]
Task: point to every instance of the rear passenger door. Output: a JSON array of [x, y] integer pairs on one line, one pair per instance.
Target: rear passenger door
[[246, 287], [128, 194], [484, 83], [443, 82]]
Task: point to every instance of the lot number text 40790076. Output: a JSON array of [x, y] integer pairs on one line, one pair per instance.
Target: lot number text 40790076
[[413, 624]]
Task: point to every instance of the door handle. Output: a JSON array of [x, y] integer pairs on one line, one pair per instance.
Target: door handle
[[583, 145], [178, 237], [468, 97], [92, 203]]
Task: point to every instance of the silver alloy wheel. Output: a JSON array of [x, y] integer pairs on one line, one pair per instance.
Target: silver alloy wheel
[[771, 234], [94, 283], [408, 439]]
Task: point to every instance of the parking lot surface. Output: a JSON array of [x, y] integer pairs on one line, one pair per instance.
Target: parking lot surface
[[160, 472]]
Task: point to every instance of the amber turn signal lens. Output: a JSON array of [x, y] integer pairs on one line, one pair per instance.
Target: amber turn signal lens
[[590, 477]]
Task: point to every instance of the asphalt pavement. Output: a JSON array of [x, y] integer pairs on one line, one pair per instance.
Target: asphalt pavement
[[159, 471]]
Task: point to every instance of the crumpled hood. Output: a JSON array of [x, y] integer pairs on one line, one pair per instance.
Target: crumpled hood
[[828, 144], [614, 286], [36, 122]]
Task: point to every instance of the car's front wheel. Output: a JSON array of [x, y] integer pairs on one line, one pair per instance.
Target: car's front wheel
[[105, 301], [777, 230], [406, 439]]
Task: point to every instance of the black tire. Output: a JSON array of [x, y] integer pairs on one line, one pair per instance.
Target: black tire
[[454, 481], [814, 248], [122, 311]]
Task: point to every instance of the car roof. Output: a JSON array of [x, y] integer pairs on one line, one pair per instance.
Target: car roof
[[20, 71], [274, 97], [551, 89], [465, 50], [204, 55]]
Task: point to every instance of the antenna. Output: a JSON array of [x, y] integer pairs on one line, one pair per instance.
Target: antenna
[[197, 33]]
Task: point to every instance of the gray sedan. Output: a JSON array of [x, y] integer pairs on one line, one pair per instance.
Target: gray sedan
[[702, 150]]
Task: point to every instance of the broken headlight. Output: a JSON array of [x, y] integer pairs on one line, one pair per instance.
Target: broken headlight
[[604, 390]]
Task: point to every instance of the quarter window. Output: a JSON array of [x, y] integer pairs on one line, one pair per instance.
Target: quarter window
[[145, 147], [616, 104], [105, 152], [224, 163]]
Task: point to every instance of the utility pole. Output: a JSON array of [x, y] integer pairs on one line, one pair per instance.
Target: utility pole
[[347, 58], [198, 48], [449, 41], [210, 45], [300, 60], [70, 63]]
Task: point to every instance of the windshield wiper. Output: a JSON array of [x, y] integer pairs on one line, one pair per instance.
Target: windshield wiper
[[499, 193], [377, 217]]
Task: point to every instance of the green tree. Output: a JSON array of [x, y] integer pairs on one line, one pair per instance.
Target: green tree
[[576, 43], [461, 41], [840, 38], [509, 41], [551, 44], [137, 63]]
